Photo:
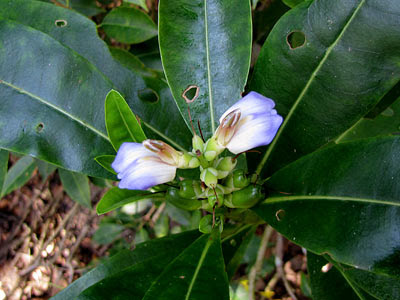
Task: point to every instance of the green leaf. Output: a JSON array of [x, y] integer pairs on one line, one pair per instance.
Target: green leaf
[[85, 7], [292, 3], [69, 98], [3, 168], [141, 3], [348, 195], [105, 161], [76, 185], [205, 44], [130, 61], [129, 25], [327, 284], [386, 123], [116, 197], [325, 71], [18, 175], [122, 125], [107, 233], [168, 247], [45, 169]]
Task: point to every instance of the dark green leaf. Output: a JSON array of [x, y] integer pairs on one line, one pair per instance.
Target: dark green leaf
[[141, 3], [129, 25], [169, 246], [18, 175], [348, 195], [76, 185], [347, 63], [122, 125], [116, 197], [105, 161], [107, 233], [130, 61], [292, 3], [327, 284], [45, 169], [62, 115], [85, 7], [205, 44], [385, 102], [3, 168]]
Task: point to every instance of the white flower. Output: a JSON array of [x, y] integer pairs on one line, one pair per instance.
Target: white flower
[[251, 122], [140, 168]]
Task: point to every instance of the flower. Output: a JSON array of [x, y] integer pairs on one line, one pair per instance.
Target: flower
[[141, 166], [251, 122]]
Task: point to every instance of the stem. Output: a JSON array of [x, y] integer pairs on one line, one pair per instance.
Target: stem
[[258, 264]]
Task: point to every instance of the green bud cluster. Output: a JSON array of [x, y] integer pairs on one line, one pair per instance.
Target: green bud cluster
[[220, 185]]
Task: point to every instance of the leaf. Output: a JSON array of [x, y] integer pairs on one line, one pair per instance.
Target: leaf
[[124, 260], [107, 233], [45, 169], [326, 64], [122, 125], [130, 61], [386, 123], [129, 25], [18, 175], [348, 195], [66, 93], [85, 7], [77, 186], [234, 247], [292, 3], [141, 3], [3, 168], [205, 44], [328, 284], [116, 197], [105, 161]]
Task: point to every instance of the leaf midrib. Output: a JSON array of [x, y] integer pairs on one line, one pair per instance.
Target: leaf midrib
[[306, 87], [210, 97], [328, 197], [125, 123], [51, 105]]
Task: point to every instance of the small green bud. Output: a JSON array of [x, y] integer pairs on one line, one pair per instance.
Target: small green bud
[[245, 198], [188, 161], [205, 224], [237, 180], [224, 166], [174, 198], [190, 189], [197, 143], [212, 149], [219, 200], [209, 177]]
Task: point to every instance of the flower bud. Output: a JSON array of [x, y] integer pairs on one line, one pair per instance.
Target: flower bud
[[224, 166], [245, 198], [209, 177], [188, 161], [197, 143], [212, 149], [237, 180], [174, 198], [205, 224], [226, 129], [164, 151], [190, 189]]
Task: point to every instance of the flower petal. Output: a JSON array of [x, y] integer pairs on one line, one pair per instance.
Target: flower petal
[[252, 103], [254, 131], [146, 172], [127, 154]]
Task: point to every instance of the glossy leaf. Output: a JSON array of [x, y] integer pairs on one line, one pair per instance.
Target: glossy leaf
[[85, 7], [116, 197], [3, 167], [18, 175], [327, 284], [326, 64], [105, 161], [129, 25], [76, 185], [45, 169], [69, 99], [130, 61], [122, 125], [205, 44], [125, 260], [348, 195], [292, 3], [181, 270], [141, 3]]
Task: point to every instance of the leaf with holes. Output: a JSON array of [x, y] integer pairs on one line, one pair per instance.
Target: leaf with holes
[[326, 64], [57, 113], [348, 195], [129, 25], [126, 261], [18, 175], [3, 167], [122, 125], [116, 197], [76, 185], [175, 273], [205, 50]]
